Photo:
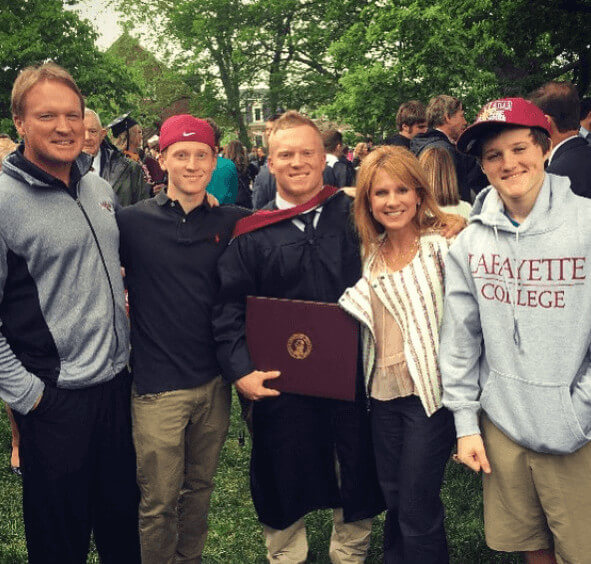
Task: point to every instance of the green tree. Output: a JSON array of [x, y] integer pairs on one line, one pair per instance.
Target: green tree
[[163, 87], [474, 49], [292, 43], [34, 31], [211, 38], [245, 44]]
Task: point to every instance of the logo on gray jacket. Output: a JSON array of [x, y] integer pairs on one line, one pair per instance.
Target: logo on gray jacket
[[107, 205]]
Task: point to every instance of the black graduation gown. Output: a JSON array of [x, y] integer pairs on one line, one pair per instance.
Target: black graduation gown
[[296, 437]]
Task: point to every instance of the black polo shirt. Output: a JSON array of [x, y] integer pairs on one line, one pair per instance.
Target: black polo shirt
[[170, 260]]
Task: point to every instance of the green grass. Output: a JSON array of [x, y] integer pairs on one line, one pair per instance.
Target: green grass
[[234, 532]]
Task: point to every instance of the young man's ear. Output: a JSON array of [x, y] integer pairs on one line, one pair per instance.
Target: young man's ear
[[553, 128], [162, 159], [553, 132], [215, 156]]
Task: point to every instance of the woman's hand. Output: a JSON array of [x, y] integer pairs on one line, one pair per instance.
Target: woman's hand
[[454, 223], [212, 200]]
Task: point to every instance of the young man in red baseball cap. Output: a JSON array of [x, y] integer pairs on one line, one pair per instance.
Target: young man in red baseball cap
[[516, 338], [170, 246]]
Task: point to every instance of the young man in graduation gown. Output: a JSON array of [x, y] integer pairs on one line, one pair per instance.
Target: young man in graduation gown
[[308, 453]]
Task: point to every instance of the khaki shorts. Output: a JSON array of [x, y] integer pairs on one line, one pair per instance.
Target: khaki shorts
[[534, 501]]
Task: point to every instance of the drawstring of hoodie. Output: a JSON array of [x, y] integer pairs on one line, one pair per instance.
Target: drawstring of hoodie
[[513, 301]]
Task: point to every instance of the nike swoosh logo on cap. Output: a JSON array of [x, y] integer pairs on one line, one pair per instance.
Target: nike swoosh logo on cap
[[188, 134]]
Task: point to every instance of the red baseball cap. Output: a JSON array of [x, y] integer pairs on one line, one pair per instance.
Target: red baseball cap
[[185, 127], [509, 111]]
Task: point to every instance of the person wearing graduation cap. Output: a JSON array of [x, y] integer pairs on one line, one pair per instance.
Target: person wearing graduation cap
[[126, 177], [127, 135]]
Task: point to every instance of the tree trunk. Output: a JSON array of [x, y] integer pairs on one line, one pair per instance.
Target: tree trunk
[[584, 73], [276, 74]]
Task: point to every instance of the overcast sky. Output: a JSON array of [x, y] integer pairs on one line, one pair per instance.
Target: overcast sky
[[103, 18]]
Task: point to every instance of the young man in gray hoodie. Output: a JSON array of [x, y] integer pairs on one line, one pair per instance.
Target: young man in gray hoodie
[[515, 341]]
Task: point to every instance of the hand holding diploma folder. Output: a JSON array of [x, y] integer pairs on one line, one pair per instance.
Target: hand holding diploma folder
[[312, 344]]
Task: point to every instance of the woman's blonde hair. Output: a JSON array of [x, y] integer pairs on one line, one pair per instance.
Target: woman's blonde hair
[[360, 148], [402, 165], [7, 145], [441, 174]]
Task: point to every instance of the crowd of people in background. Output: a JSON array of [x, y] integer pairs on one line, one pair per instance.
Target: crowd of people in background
[[430, 131], [461, 251]]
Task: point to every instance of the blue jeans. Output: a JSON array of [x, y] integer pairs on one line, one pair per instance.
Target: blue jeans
[[411, 452]]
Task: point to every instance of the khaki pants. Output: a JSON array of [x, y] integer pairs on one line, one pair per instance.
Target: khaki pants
[[178, 436], [537, 501], [349, 542]]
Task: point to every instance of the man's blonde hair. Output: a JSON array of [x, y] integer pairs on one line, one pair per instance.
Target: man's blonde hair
[[30, 76], [291, 119]]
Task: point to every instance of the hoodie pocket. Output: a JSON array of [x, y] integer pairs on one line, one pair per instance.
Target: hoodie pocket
[[538, 417]]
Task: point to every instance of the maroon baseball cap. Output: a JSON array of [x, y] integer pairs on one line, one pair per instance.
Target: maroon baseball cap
[[509, 111], [185, 127]]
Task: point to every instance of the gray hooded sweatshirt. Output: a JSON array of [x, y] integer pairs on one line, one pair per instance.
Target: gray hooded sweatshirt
[[516, 332]]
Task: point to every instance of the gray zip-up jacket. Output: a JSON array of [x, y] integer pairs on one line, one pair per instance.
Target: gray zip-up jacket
[[62, 307]]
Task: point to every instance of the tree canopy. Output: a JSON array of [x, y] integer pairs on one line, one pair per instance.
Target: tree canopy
[[35, 31], [474, 49], [210, 39], [237, 45], [357, 60], [354, 61]]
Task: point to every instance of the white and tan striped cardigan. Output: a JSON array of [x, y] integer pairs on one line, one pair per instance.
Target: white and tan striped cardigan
[[414, 297]]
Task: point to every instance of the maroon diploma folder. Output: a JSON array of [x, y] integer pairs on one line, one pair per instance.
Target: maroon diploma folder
[[313, 344]]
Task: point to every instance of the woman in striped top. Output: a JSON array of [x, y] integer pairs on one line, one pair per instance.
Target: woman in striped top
[[398, 302]]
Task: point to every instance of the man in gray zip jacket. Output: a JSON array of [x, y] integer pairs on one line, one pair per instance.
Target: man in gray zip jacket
[[63, 333]]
